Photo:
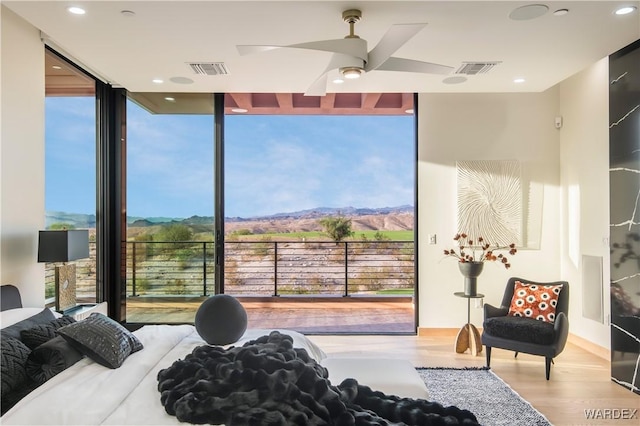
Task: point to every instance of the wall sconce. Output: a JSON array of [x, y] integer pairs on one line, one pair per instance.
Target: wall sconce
[[63, 246]]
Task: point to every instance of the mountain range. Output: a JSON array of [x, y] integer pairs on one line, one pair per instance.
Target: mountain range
[[80, 220]]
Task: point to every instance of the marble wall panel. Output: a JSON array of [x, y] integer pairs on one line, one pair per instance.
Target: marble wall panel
[[624, 174]]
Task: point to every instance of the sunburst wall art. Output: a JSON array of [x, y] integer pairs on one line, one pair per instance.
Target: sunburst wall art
[[490, 200]]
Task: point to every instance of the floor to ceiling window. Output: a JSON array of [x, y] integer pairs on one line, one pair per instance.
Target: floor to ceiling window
[[170, 206], [70, 165], [319, 207]]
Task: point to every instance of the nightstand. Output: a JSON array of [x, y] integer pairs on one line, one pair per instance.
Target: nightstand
[[81, 312]]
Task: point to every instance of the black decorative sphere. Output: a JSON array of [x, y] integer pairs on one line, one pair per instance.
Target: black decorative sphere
[[221, 319]]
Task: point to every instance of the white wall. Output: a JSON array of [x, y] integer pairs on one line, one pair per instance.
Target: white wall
[[21, 156], [482, 127], [584, 161]]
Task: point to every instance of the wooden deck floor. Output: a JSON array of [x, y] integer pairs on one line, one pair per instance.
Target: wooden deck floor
[[386, 315]]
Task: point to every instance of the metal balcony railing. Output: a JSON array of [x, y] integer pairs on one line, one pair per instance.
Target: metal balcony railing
[[260, 268]]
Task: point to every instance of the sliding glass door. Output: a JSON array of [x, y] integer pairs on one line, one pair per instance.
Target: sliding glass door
[[170, 207], [319, 218]]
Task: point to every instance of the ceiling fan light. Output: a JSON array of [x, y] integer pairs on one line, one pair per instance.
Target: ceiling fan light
[[351, 72]]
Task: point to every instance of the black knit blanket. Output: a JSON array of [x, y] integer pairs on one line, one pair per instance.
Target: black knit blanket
[[269, 382]]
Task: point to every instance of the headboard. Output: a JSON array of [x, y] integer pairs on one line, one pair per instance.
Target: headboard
[[9, 297]]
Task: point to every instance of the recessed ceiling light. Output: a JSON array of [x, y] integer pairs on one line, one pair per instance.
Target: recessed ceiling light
[[56, 67], [76, 10], [625, 10], [561, 12], [239, 110], [169, 99], [519, 80], [158, 80], [527, 12]]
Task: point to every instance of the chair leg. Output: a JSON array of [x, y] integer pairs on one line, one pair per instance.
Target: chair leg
[[516, 355], [488, 352], [547, 362]]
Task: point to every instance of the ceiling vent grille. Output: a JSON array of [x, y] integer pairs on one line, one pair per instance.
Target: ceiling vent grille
[[209, 68], [473, 68]]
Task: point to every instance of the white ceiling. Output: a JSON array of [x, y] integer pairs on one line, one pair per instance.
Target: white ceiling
[[162, 36]]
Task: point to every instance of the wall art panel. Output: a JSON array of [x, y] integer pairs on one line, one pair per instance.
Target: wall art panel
[[490, 200]]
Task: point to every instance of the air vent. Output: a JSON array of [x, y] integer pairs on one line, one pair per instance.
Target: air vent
[[473, 68], [209, 68]]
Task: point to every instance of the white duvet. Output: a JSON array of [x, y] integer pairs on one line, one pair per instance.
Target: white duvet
[[90, 394]]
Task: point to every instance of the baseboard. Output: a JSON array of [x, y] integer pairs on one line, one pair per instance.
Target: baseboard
[[437, 332], [588, 346]]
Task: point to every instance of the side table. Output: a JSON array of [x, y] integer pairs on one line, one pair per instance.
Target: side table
[[468, 337]]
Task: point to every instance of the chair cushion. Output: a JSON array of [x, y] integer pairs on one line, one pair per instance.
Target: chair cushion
[[535, 301], [521, 329]]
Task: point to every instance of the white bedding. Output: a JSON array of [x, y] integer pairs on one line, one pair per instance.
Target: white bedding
[[90, 394]]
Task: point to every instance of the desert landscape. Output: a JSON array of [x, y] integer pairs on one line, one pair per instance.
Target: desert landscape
[[278, 254]]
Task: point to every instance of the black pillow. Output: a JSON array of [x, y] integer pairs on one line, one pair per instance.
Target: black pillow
[[221, 319], [51, 358], [42, 333], [13, 354], [43, 317], [102, 339]]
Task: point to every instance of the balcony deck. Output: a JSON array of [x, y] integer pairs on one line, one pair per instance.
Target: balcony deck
[[314, 315]]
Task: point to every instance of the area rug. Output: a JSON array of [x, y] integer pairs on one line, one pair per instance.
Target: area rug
[[483, 393]]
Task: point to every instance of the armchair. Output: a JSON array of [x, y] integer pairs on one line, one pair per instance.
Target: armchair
[[527, 329]]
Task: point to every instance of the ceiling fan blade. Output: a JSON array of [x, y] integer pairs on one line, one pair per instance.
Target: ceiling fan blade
[[354, 47], [410, 65], [319, 86], [394, 39], [248, 49]]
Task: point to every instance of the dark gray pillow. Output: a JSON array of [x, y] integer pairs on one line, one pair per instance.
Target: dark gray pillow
[[13, 355], [221, 319], [102, 339], [42, 333], [51, 358], [44, 317]]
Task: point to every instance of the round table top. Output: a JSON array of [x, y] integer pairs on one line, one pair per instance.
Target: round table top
[[469, 296]]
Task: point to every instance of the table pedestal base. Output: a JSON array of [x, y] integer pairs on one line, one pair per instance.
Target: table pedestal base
[[468, 338]]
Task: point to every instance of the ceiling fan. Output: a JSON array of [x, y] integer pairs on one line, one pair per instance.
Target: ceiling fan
[[350, 55]]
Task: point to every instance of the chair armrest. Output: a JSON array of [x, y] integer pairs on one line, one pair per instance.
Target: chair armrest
[[491, 311], [561, 331]]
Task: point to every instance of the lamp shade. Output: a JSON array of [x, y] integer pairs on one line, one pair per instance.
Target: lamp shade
[[63, 245]]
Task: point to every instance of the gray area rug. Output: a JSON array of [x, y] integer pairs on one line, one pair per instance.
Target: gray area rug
[[483, 393]]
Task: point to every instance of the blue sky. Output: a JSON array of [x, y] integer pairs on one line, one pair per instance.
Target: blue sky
[[273, 164]]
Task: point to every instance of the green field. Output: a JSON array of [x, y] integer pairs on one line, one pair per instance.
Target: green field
[[316, 235]]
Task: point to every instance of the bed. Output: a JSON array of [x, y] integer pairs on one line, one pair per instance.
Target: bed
[[90, 393]]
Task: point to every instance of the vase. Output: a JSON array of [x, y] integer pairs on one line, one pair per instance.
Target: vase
[[470, 271]]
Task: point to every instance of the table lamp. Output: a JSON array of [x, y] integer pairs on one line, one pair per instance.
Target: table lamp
[[64, 246]]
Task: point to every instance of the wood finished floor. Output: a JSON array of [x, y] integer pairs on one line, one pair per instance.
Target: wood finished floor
[[579, 381]]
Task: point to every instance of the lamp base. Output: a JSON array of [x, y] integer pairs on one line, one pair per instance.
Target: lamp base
[[65, 287]]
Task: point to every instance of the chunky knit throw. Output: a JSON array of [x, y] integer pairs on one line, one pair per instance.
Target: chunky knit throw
[[269, 382]]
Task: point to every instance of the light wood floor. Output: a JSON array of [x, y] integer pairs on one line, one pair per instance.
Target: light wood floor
[[579, 380]]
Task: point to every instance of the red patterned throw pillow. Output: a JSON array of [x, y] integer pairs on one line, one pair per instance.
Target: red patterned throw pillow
[[535, 301]]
